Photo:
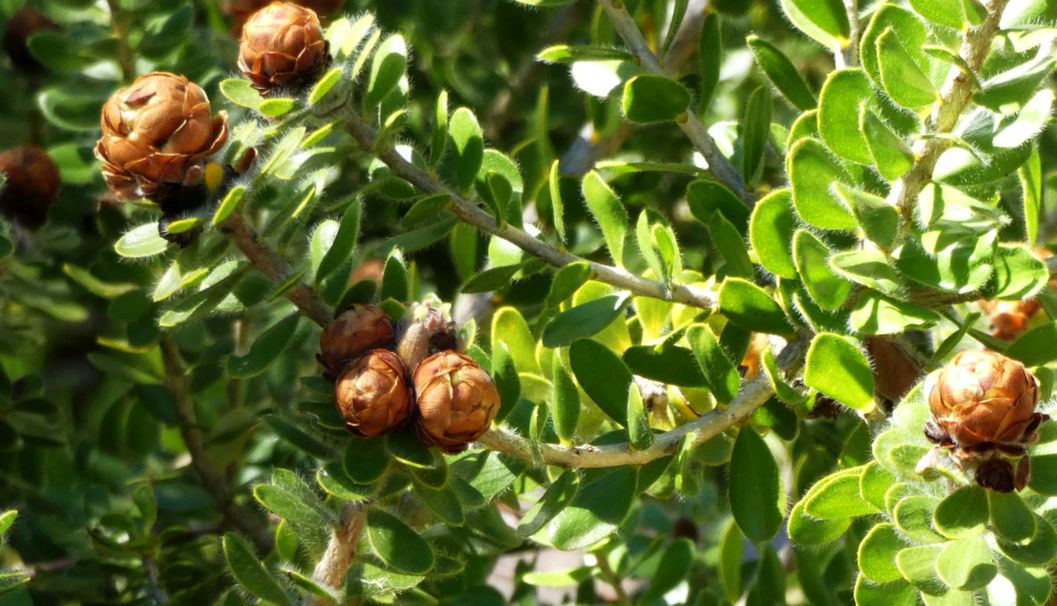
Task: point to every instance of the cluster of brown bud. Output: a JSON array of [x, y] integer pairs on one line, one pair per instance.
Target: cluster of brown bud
[[451, 400], [31, 183], [983, 413], [282, 46], [1011, 318]]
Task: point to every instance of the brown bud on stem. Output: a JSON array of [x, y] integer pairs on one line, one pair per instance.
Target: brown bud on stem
[[373, 395], [31, 185], [355, 331], [156, 136], [983, 409], [282, 45], [20, 28], [457, 401]]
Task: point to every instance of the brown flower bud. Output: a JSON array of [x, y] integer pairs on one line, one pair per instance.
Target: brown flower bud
[[355, 331], [373, 395], [983, 400], [241, 10], [20, 28], [282, 45], [157, 133], [457, 401], [32, 182]]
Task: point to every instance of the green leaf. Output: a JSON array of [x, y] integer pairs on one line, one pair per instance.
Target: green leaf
[[963, 514], [584, 320], [870, 268], [812, 173], [839, 369], [297, 437], [395, 280], [749, 306], [913, 516], [439, 140], [557, 203], [1018, 274], [825, 21], [875, 314], [1010, 516], [897, 593], [366, 460], [782, 73], [1040, 550], [275, 107], [249, 572], [665, 363], [504, 373], [1044, 472], [555, 499], [845, 92], [672, 569], [565, 402], [1027, 123], [918, 566], [719, 371], [782, 390], [426, 209], [510, 327], [493, 278], [406, 449], [301, 509], [706, 196], [889, 152], [709, 59], [602, 503], [468, 144], [567, 281], [240, 92], [7, 519], [603, 376], [608, 211], [878, 219], [265, 349], [901, 76], [639, 435], [344, 242], [913, 36], [755, 132], [387, 68], [1030, 176], [837, 496], [443, 502], [564, 53], [228, 205], [397, 544], [966, 564], [771, 232], [807, 530], [755, 489], [731, 245], [811, 256], [644, 239], [877, 554], [324, 85], [141, 242], [731, 553], [1035, 347], [654, 98], [941, 12]]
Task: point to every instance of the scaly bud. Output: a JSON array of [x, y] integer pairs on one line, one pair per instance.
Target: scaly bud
[[31, 185], [457, 401], [282, 45], [372, 394], [355, 331], [157, 134]]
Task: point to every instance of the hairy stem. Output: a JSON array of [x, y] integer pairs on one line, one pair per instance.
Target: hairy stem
[[752, 395], [179, 387], [334, 564], [272, 265], [954, 98], [694, 128], [469, 212]]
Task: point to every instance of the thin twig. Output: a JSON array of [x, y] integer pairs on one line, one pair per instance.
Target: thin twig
[[334, 565], [955, 95], [752, 395], [695, 130], [469, 212], [179, 387], [272, 265]]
